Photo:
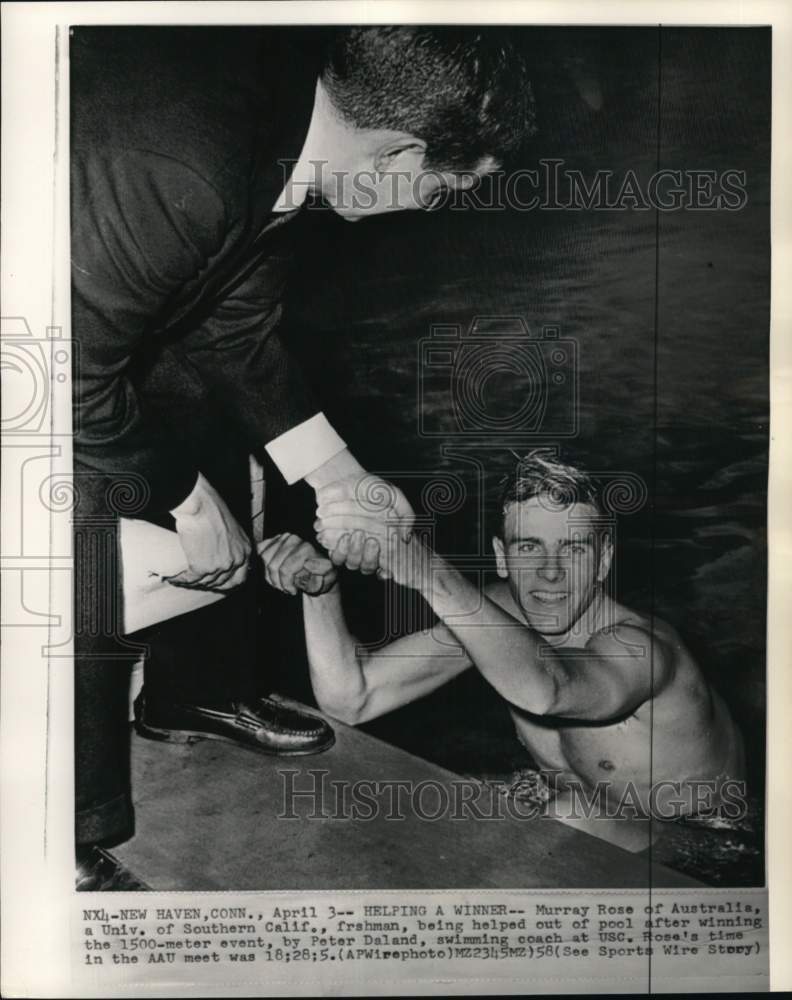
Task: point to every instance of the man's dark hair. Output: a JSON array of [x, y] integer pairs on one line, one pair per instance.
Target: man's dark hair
[[541, 474], [464, 91]]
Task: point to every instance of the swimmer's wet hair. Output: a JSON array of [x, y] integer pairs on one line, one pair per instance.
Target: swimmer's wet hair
[[541, 474], [464, 91]]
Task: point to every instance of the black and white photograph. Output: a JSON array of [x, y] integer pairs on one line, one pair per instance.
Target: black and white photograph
[[418, 496], [528, 389]]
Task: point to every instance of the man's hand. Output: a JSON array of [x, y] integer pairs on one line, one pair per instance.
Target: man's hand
[[217, 549], [293, 565], [366, 509]]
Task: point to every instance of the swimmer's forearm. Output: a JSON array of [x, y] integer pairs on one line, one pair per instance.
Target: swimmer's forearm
[[511, 656], [337, 677]]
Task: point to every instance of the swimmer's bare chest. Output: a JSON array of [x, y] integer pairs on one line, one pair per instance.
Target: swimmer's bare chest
[[669, 737], [683, 732], [588, 753], [578, 751]]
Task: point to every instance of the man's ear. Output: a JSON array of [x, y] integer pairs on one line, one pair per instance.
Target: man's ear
[[606, 557], [402, 154], [464, 180], [500, 557]]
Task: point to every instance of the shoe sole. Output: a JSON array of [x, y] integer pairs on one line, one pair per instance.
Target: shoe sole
[[187, 736]]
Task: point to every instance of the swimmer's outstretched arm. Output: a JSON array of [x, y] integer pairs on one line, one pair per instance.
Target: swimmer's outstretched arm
[[612, 676], [351, 683]]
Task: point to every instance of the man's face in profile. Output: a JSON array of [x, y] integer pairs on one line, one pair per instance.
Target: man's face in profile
[[553, 558], [394, 183]]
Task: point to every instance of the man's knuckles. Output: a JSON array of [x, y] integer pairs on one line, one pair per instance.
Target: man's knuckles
[[318, 564]]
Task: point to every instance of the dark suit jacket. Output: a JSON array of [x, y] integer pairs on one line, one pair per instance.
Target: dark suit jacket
[[176, 135]]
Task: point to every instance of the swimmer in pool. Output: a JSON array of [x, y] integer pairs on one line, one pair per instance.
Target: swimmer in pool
[[606, 700]]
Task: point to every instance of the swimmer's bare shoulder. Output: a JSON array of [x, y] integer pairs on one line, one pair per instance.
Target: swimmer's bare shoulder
[[693, 735], [656, 647], [688, 724]]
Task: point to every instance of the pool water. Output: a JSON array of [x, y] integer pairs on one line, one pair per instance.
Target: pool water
[[669, 317]]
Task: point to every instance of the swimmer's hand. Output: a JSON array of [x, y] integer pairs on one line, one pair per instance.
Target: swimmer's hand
[[367, 509], [357, 550], [292, 565], [406, 563]]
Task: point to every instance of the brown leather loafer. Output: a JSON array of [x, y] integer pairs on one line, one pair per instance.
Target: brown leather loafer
[[266, 726]]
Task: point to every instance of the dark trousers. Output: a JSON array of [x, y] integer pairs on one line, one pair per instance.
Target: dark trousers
[[204, 657]]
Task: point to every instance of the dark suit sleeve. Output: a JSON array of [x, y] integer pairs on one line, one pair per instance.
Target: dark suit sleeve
[[142, 226], [239, 350]]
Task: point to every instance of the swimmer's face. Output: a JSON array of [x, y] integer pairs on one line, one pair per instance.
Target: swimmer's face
[[554, 559]]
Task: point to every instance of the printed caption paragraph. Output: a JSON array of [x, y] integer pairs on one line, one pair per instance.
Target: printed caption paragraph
[[679, 934]]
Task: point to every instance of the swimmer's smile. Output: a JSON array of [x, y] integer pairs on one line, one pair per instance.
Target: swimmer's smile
[[549, 596]]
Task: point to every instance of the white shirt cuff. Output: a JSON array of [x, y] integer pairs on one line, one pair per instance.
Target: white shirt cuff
[[302, 449]]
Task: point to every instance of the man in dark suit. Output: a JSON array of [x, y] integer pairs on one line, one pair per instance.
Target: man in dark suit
[[193, 150]]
